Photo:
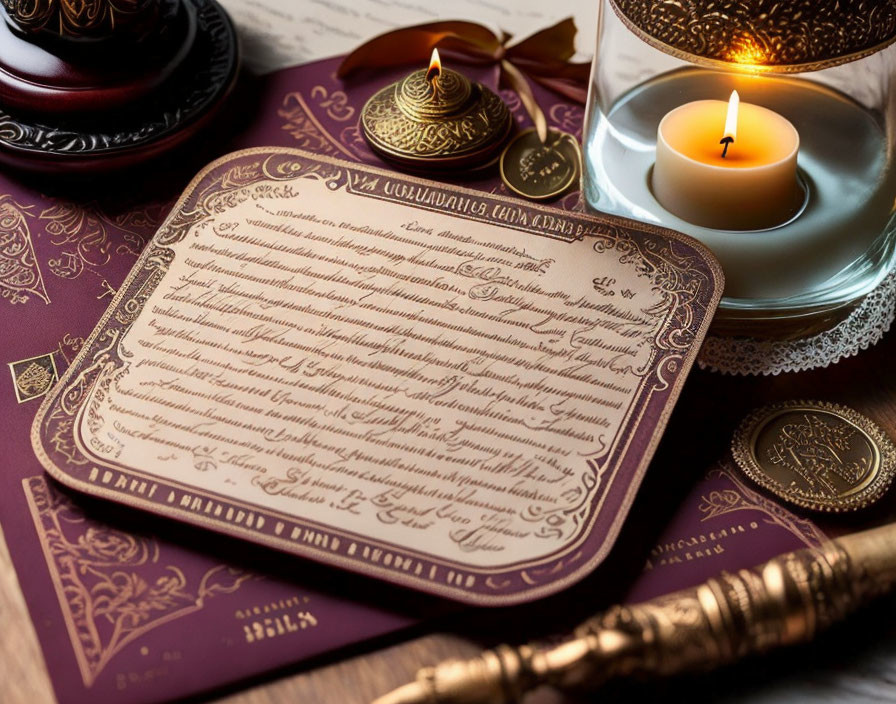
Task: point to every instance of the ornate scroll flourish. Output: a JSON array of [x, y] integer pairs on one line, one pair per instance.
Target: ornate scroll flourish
[[19, 271], [231, 186], [82, 233], [336, 103], [743, 498], [102, 359], [306, 129], [570, 118], [157, 264], [566, 518], [678, 276], [85, 235], [75, 228], [112, 586]]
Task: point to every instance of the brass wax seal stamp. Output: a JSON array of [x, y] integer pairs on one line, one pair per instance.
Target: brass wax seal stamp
[[816, 455], [436, 118], [539, 170]]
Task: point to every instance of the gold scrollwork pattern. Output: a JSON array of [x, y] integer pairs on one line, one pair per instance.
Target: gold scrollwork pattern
[[20, 275], [566, 519], [742, 498], [678, 274], [82, 18], [305, 129], [797, 35], [235, 185], [87, 234], [569, 118], [336, 103], [414, 120], [113, 586]]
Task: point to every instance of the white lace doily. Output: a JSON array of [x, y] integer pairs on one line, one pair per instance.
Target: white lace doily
[[864, 327]]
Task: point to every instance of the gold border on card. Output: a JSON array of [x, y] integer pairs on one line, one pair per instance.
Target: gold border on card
[[668, 376]]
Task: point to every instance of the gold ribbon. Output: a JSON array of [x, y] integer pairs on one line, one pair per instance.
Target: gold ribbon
[[544, 57]]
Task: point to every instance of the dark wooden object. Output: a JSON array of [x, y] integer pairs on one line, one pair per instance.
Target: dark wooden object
[[109, 89]]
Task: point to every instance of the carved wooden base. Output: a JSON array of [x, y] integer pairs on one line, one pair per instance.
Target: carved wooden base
[[60, 115], [40, 74]]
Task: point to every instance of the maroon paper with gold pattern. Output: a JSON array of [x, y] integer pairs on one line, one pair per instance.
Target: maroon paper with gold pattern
[[130, 608]]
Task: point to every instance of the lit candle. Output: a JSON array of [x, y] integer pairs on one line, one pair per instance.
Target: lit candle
[[727, 166]]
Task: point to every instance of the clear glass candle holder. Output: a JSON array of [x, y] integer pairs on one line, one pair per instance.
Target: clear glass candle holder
[[828, 68]]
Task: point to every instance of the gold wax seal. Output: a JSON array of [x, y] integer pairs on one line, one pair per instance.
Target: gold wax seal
[[816, 455], [436, 118], [539, 171]]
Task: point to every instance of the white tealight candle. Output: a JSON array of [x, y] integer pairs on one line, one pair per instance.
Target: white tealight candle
[[727, 166]]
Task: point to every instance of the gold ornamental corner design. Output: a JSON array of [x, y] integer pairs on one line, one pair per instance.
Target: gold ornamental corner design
[[788, 37], [114, 586], [819, 456]]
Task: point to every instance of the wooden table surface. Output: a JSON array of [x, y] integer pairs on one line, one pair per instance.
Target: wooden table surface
[[856, 662]]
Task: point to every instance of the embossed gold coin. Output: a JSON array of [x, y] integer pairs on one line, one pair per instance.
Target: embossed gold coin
[[539, 171], [816, 455]]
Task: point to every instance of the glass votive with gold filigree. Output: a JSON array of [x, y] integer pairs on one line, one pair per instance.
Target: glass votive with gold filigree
[[765, 130]]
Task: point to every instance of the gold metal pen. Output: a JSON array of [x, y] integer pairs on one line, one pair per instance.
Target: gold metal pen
[[784, 601]]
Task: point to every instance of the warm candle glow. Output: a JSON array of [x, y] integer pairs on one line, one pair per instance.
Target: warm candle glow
[[748, 184], [748, 55], [731, 120], [435, 66]]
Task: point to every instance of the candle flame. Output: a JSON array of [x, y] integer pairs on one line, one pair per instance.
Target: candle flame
[[731, 120], [435, 67]]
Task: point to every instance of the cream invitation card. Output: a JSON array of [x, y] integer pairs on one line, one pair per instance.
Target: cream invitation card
[[451, 390]]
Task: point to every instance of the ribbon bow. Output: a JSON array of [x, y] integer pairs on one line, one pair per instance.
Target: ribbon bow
[[544, 57]]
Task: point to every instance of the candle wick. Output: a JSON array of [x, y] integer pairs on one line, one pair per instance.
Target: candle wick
[[727, 141]]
